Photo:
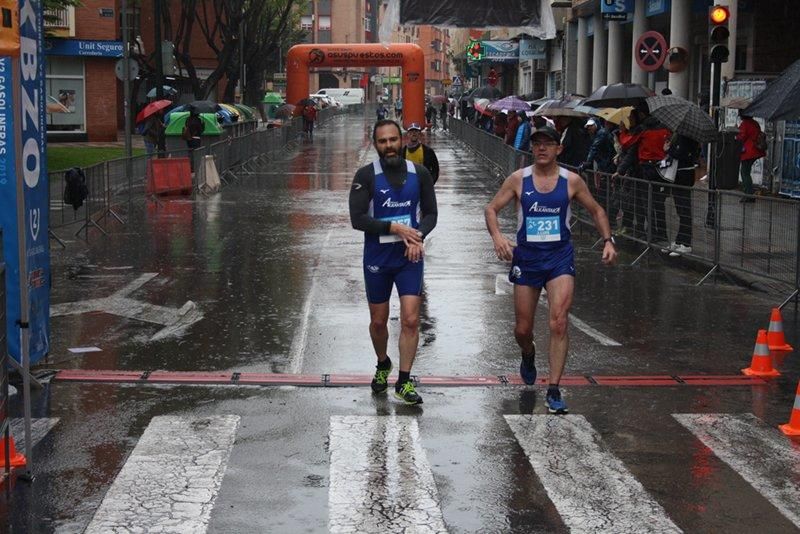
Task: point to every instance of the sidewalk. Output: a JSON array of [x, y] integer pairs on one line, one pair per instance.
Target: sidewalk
[[137, 142]]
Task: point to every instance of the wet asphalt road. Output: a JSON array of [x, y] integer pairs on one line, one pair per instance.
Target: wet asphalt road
[[275, 269]]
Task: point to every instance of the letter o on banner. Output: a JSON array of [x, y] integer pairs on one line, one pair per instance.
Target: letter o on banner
[[30, 152], [410, 57]]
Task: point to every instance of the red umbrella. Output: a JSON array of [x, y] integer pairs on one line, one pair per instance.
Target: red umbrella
[[152, 108]]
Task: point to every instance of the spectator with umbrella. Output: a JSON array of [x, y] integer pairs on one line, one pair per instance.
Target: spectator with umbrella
[[651, 139], [150, 121], [686, 151]]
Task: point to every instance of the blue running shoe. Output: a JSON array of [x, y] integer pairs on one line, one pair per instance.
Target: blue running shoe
[[527, 367], [555, 404]]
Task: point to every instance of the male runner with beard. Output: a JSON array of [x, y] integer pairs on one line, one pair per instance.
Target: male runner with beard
[[392, 201]]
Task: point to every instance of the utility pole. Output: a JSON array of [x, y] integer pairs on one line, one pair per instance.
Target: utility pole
[[126, 83], [159, 64]]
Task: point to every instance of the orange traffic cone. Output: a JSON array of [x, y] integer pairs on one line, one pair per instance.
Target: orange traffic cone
[[761, 365], [775, 338], [792, 428], [17, 459]]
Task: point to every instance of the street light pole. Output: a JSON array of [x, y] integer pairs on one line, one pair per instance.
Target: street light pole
[[242, 80], [126, 80], [159, 65]]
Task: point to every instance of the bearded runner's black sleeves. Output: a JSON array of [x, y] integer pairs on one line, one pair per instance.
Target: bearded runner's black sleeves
[[361, 194]]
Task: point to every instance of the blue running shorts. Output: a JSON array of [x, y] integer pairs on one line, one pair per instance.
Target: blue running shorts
[[537, 275], [379, 281]]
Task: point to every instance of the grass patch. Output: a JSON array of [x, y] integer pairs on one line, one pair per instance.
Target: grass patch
[[60, 158]]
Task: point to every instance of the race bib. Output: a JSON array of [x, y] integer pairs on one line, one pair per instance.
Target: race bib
[[392, 238], [542, 229]]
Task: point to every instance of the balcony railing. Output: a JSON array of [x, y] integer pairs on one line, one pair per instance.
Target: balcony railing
[[60, 22]]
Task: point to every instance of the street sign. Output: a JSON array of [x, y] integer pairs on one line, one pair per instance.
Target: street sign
[[457, 80], [447, 81], [133, 69], [616, 9], [651, 51]]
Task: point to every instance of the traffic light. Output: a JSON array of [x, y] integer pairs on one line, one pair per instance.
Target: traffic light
[[718, 33]]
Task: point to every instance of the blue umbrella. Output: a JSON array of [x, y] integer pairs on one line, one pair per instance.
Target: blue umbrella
[[168, 91]]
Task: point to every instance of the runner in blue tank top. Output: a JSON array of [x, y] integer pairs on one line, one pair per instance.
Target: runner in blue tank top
[[543, 255], [393, 202]]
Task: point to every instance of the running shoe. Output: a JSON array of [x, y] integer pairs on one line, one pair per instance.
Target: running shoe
[[555, 404], [527, 367], [379, 381], [408, 394]]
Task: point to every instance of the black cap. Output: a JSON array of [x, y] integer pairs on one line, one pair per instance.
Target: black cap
[[549, 132]]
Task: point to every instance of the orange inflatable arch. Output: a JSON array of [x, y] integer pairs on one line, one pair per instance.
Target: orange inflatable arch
[[408, 56]]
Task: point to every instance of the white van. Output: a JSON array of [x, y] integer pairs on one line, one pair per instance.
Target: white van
[[347, 96]]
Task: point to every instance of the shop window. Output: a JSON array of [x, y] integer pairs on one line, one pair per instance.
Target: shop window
[[66, 101]]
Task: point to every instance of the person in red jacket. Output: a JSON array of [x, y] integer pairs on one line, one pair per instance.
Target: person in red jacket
[[749, 132]]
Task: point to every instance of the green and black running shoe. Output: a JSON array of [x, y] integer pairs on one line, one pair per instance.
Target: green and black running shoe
[[408, 394], [380, 380]]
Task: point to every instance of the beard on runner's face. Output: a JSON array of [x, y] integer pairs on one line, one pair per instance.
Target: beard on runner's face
[[391, 155]]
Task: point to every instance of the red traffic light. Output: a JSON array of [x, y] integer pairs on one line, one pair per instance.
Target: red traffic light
[[719, 15]]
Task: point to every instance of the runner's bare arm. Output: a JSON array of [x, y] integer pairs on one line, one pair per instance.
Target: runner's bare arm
[[580, 192], [509, 191]]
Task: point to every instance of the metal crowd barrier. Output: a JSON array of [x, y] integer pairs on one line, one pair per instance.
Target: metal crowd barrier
[[116, 182], [729, 231]]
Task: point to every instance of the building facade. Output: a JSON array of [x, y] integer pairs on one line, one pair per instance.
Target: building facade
[[341, 21], [83, 93]]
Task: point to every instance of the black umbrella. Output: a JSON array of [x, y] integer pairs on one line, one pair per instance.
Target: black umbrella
[[487, 91], [683, 117], [781, 99], [204, 106], [618, 95]]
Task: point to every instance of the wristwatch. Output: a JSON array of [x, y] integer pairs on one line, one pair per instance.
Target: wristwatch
[[609, 240]]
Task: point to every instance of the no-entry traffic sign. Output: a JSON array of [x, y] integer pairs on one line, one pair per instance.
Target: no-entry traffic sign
[[651, 51]]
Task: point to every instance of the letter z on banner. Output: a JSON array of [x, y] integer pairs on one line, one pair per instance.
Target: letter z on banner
[[24, 188]]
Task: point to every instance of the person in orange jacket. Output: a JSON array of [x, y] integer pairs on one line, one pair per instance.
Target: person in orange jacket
[[749, 134]]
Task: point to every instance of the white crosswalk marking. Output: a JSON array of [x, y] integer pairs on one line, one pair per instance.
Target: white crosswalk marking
[[589, 486], [759, 453], [171, 478], [380, 478]]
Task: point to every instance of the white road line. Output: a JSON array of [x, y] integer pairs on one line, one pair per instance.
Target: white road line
[[171, 478], [503, 287], [297, 352], [591, 488], [174, 320], [39, 429], [380, 478], [136, 284], [759, 453]]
